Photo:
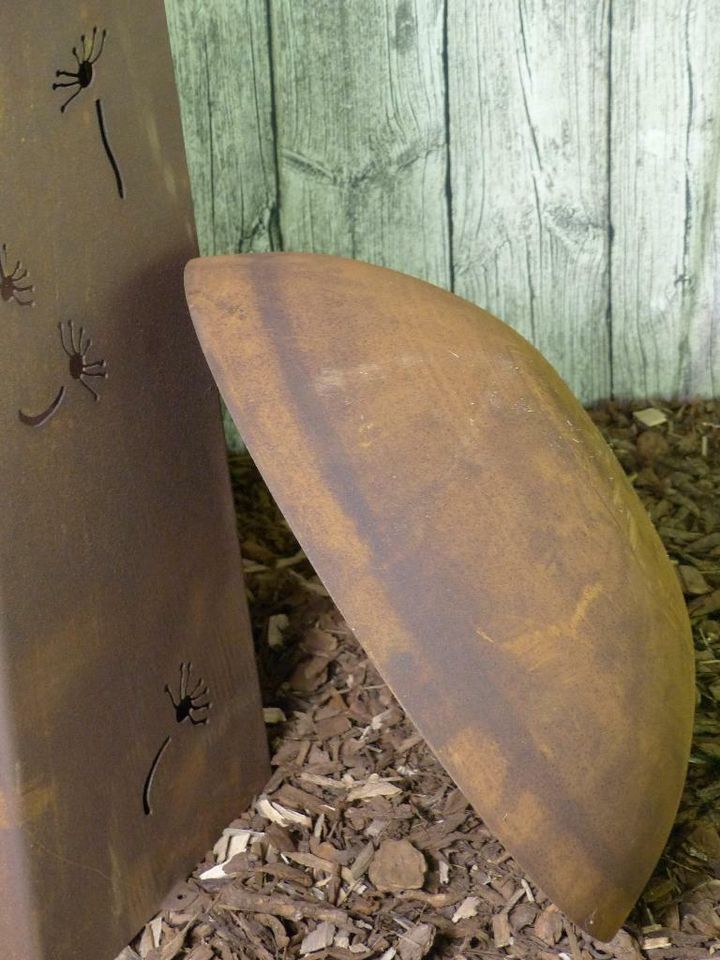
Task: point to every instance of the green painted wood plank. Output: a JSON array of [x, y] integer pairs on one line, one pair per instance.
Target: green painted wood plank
[[665, 177], [222, 66], [528, 145], [221, 55], [362, 150]]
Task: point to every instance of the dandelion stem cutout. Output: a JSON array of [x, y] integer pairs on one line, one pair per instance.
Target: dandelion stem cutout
[[108, 149], [14, 284], [75, 344], [190, 703], [90, 50], [38, 419]]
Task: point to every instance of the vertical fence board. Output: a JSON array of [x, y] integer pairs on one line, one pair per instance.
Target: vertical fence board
[[221, 55], [361, 131], [528, 148], [665, 156]]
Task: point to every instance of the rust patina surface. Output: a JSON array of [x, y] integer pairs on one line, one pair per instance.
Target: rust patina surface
[[483, 543], [130, 727]]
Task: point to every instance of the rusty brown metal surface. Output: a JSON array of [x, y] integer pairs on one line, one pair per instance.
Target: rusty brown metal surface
[[130, 727], [484, 545]]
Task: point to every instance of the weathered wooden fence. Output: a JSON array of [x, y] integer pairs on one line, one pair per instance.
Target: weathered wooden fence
[[555, 161]]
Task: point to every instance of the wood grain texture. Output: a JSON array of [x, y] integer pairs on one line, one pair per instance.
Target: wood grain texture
[[665, 166], [361, 131], [555, 163], [221, 52], [222, 65], [528, 138]]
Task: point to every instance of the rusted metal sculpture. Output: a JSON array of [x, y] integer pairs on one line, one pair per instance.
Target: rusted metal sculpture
[[130, 724], [484, 545]]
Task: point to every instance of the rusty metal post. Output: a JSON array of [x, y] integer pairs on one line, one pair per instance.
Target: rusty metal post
[[130, 723]]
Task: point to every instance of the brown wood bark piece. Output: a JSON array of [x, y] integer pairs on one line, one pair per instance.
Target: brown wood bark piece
[[397, 866]]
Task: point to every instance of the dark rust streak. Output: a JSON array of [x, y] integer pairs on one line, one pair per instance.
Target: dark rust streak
[[419, 611]]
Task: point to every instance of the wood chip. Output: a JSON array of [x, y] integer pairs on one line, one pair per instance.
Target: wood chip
[[277, 928], [292, 561], [156, 930], [702, 545], [650, 417], [332, 727], [397, 866], [502, 935], [319, 642], [703, 606], [528, 890], [318, 939], [201, 952], [278, 905], [315, 863], [436, 900], [233, 841], [277, 625], [281, 815], [625, 947], [319, 781], [693, 582], [549, 926], [273, 715], [290, 796], [657, 943], [375, 787], [170, 949], [466, 910], [416, 942], [651, 444], [704, 840], [310, 674], [360, 863]]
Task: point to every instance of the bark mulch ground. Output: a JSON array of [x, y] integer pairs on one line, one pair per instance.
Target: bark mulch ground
[[361, 845]]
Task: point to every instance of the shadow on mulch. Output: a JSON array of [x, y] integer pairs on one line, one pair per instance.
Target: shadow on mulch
[[361, 845]]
